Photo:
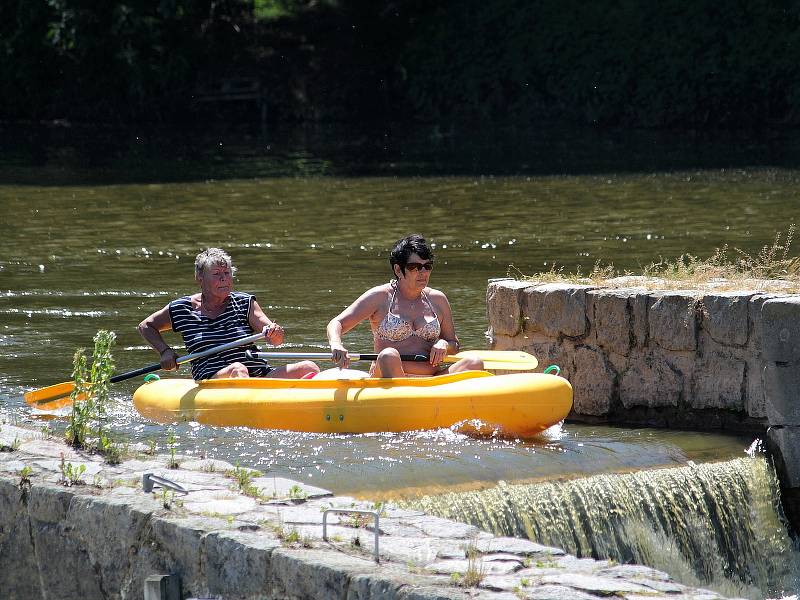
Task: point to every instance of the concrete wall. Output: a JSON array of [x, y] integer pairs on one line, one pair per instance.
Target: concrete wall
[[692, 359]]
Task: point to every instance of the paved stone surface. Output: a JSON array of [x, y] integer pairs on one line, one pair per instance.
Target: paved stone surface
[[100, 536]]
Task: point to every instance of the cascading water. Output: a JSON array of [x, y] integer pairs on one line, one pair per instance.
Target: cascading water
[[717, 525]]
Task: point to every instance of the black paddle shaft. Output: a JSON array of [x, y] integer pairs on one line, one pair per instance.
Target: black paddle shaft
[[136, 373]]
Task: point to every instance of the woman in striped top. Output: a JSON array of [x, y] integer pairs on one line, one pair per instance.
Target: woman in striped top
[[215, 316]]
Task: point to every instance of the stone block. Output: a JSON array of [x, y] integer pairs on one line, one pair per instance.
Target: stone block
[[672, 321], [612, 319], [781, 329], [239, 561], [725, 317], [784, 444], [651, 383], [593, 382], [640, 304], [555, 309], [19, 572], [782, 392], [503, 306], [717, 382], [755, 341], [756, 400]]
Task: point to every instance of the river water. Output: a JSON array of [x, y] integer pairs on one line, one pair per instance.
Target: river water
[[84, 255]]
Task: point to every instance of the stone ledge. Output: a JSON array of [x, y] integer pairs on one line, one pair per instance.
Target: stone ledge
[[102, 538]]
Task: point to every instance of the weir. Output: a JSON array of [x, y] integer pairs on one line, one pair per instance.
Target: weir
[[716, 525], [638, 351]]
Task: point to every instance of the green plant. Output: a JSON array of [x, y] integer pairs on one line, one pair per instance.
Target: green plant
[[97, 481], [90, 395], [476, 570], [25, 483], [289, 537], [12, 448], [71, 475], [167, 496], [111, 452], [244, 481], [172, 443], [25, 477], [152, 447], [297, 492], [357, 520]]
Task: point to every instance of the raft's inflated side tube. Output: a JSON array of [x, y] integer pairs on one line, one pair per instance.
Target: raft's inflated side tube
[[517, 404]]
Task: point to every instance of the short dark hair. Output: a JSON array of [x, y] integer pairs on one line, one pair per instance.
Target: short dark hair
[[403, 249]]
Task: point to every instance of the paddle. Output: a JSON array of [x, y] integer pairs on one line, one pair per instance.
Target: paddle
[[506, 360], [56, 396]]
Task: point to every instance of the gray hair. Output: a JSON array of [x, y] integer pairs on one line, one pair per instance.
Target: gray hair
[[211, 258]]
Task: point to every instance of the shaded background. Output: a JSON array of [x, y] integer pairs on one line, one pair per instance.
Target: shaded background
[[675, 64]]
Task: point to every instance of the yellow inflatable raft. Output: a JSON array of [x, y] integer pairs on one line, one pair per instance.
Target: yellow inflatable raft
[[519, 404]]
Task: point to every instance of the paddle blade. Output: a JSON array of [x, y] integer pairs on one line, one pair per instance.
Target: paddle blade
[[505, 360], [51, 397]]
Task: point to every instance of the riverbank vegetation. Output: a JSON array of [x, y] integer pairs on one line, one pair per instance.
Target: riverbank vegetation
[[87, 429], [679, 65], [772, 268]]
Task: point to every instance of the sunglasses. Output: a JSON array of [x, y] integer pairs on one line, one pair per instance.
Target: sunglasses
[[415, 266]]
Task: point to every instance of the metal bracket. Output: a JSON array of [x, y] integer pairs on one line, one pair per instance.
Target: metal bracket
[[149, 481], [352, 511]]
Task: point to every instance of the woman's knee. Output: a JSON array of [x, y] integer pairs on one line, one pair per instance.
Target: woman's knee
[[474, 364], [307, 366], [235, 370], [469, 363], [389, 354]]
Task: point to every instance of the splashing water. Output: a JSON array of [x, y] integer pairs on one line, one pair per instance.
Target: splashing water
[[717, 524]]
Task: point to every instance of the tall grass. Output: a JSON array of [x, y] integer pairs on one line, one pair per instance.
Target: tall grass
[[772, 267]]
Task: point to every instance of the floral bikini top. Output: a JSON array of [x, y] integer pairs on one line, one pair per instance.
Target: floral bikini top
[[395, 328]]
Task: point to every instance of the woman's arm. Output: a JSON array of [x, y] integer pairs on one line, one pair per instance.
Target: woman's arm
[[448, 341], [150, 329], [259, 321], [363, 308]]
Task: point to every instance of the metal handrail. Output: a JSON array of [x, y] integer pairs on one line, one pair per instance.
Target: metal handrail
[[352, 511], [149, 481]]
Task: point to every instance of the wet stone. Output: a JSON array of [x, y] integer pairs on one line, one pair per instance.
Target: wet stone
[[516, 546], [448, 567], [556, 592], [443, 528], [590, 583]]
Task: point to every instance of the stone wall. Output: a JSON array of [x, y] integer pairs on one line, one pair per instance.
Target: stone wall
[[692, 359], [90, 532]]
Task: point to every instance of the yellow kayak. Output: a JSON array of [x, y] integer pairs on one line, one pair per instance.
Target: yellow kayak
[[519, 404]]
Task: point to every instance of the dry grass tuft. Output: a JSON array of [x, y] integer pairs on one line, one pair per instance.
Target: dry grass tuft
[[771, 269]]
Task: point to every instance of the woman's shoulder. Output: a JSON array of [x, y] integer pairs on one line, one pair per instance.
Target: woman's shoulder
[[435, 294], [378, 290], [187, 300], [438, 299]]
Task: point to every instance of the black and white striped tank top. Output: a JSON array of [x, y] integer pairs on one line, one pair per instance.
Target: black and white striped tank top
[[199, 333]]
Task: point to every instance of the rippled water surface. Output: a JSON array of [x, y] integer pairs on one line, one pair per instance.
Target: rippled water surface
[[74, 259]]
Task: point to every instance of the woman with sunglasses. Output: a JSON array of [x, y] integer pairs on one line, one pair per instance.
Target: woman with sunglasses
[[406, 316]]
